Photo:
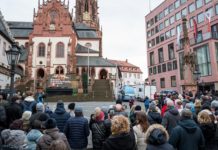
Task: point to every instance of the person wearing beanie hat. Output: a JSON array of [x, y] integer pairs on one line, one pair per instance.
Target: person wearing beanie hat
[[171, 117], [40, 107], [60, 115], [26, 120], [97, 128], [154, 117], [187, 131], [77, 130], [51, 134]]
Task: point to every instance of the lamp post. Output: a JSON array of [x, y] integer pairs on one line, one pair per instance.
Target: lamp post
[[13, 55]]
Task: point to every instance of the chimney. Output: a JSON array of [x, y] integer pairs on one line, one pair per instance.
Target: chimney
[[127, 60]]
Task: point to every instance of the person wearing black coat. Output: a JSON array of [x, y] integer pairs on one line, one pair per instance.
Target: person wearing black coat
[[154, 117], [208, 129], [187, 135], [13, 110], [98, 129], [60, 115], [122, 137]]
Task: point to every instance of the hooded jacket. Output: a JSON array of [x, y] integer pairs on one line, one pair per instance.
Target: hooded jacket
[[187, 136], [124, 141], [32, 138], [156, 138], [28, 103], [61, 116], [170, 119], [14, 138], [154, 117], [49, 136]]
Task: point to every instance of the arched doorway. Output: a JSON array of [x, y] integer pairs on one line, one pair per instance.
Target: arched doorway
[[103, 74], [40, 73]]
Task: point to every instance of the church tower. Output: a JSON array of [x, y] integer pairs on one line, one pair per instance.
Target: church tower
[[87, 12]]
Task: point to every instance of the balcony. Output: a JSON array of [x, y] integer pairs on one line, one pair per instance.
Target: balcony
[[200, 38]]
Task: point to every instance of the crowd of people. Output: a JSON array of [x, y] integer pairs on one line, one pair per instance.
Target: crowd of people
[[175, 122]]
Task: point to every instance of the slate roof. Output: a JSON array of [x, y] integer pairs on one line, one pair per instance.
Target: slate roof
[[23, 29], [83, 31], [82, 49], [125, 66], [93, 61], [3, 29], [20, 29]]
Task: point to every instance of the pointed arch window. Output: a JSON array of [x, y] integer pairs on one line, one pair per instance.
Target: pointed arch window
[[41, 50], [59, 70], [60, 50]]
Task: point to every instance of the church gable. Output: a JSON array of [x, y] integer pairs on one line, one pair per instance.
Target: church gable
[[52, 19]]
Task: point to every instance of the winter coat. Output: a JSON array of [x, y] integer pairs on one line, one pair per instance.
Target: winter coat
[[37, 116], [3, 117], [49, 136], [209, 132], [28, 103], [156, 138], [77, 132], [124, 141], [14, 138], [139, 137], [154, 117], [32, 138], [98, 134], [170, 119], [61, 117], [187, 136], [14, 111], [163, 110]]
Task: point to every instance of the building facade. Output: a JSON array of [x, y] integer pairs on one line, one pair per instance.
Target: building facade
[[58, 44], [165, 48]]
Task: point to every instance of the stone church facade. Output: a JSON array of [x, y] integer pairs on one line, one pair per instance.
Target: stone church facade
[[58, 44]]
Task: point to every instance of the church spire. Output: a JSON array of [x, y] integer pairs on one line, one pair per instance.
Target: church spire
[[87, 12]]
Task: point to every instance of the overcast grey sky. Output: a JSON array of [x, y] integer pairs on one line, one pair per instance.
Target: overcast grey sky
[[123, 23]]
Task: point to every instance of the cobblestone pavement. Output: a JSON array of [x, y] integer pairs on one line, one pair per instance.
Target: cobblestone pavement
[[88, 109]]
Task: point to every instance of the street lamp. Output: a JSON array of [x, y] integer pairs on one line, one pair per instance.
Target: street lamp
[[13, 55]]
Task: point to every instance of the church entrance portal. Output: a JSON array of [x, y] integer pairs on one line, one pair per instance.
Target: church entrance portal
[[103, 74], [40, 73]]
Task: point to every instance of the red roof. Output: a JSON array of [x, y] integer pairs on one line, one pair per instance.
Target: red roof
[[125, 66]]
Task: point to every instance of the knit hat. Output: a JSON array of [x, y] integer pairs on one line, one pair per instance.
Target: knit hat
[[152, 106], [13, 137], [40, 107], [100, 117], [60, 104], [26, 115], [186, 113], [78, 109], [50, 123], [138, 108], [16, 124], [214, 104]]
